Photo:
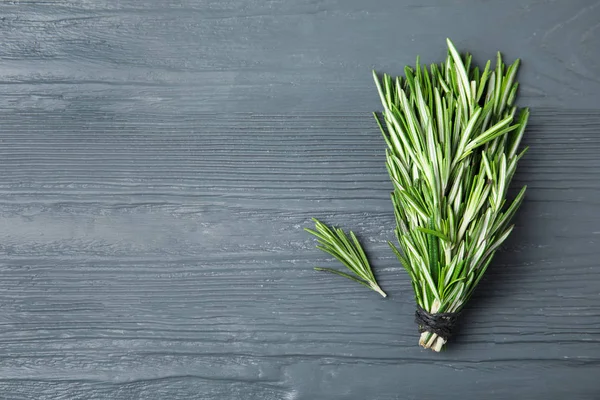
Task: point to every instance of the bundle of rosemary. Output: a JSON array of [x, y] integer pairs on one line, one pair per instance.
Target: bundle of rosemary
[[453, 140], [453, 147]]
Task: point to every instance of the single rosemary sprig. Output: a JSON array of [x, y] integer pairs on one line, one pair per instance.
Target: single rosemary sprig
[[349, 252], [452, 149]]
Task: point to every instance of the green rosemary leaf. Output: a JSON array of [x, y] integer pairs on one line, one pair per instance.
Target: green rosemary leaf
[[350, 253], [508, 83], [514, 145], [361, 254], [482, 82], [434, 233], [489, 136], [342, 258], [433, 248], [345, 275], [403, 260]]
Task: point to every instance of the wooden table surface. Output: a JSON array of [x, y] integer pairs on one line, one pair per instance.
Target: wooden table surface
[[159, 159]]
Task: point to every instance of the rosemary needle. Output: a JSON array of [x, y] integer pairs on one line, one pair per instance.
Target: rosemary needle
[[349, 252]]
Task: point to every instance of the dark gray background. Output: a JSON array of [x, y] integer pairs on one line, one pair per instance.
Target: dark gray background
[[158, 161]]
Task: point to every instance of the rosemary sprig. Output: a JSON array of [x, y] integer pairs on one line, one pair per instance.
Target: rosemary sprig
[[349, 252], [452, 150]]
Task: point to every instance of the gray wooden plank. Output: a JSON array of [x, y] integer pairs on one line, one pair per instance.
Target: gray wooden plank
[[278, 56], [158, 162]]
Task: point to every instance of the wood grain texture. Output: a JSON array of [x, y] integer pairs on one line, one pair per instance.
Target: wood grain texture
[[158, 161]]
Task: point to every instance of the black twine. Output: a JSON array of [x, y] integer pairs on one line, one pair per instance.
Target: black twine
[[441, 324]]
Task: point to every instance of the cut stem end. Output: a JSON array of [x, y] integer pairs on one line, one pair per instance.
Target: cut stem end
[[379, 290], [432, 341]]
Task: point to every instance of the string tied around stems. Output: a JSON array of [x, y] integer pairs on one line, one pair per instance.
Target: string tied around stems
[[441, 324]]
